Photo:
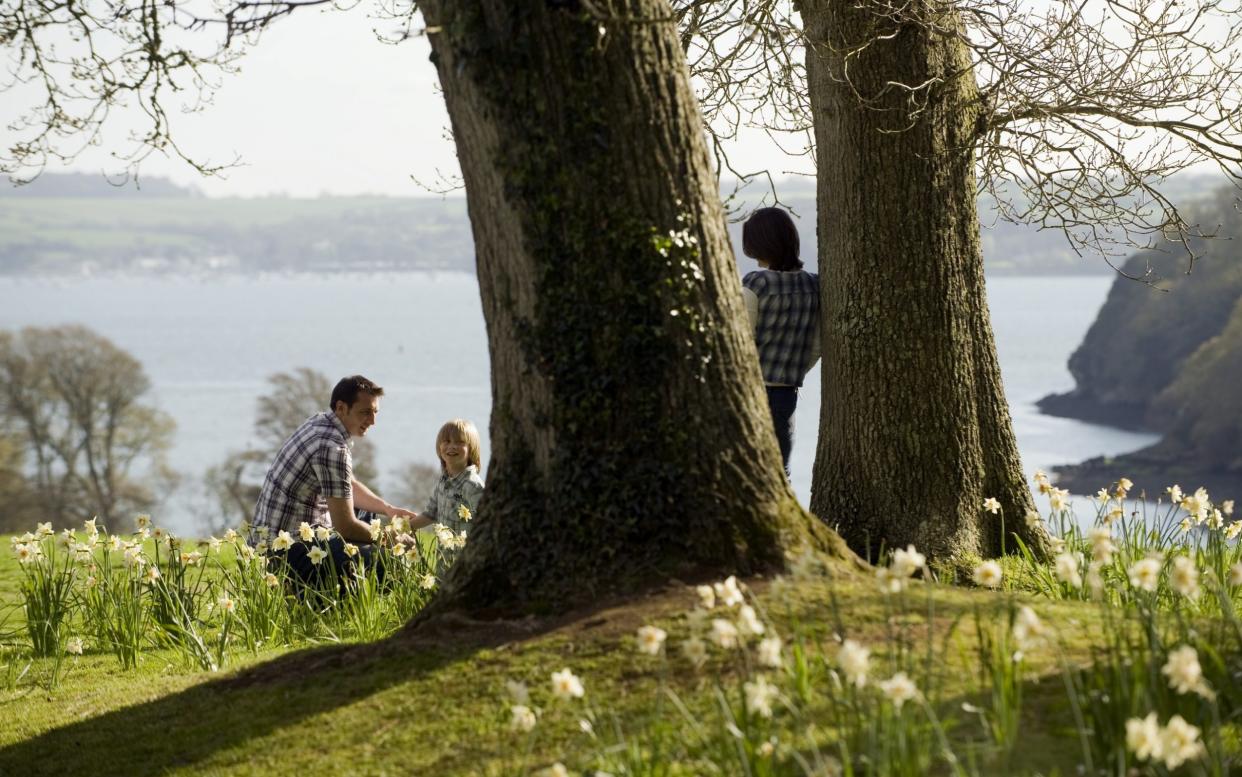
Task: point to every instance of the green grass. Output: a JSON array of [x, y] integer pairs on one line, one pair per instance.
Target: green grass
[[438, 706], [435, 702]]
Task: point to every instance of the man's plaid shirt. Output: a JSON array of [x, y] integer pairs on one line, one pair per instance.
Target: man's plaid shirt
[[786, 323], [314, 463]]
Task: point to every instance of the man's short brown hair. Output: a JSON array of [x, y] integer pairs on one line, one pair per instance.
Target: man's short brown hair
[[348, 389]]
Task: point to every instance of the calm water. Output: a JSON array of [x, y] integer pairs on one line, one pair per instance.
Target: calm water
[[208, 346]]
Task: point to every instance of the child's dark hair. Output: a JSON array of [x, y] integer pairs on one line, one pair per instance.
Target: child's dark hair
[[769, 235]]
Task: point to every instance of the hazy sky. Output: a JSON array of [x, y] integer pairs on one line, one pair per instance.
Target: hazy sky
[[321, 106]]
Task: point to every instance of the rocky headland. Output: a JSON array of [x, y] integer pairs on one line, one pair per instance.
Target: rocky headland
[[1165, 354]]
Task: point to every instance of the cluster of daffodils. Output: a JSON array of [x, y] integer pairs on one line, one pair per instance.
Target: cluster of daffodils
[[1058, 498], [1173, 744], [565, 686], [1201, 511]]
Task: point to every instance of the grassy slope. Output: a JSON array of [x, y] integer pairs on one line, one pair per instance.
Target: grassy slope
[[437, 706]]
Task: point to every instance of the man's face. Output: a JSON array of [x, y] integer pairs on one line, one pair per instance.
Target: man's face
[[359, 416]]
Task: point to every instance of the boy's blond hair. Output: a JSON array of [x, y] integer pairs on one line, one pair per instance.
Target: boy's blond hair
[[459, 430]]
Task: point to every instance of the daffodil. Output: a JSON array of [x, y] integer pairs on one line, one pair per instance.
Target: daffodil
[[317, 555], [651, 639], [855, 662], [1184, 577], [729, 592], [523, 718], [769, 652], [724, 633], [749, 623], [1145, 573], [759, 696], [899, 689], [992, 505], [1185, 674], [567, 685], [1179, 742], [1067, 569], [695, 650], [305, 531], [707, 596], [1143, 738], [987, 574]]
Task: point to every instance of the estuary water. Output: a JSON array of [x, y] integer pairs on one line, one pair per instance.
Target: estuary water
[[208, 345]]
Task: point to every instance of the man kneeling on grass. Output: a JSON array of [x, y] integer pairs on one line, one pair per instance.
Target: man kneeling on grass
[[312, 482]]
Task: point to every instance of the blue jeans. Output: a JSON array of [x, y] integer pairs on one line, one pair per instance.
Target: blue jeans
[[337, 565], [782, 400]]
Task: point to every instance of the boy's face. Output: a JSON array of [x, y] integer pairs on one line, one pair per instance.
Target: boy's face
[[455, 454]]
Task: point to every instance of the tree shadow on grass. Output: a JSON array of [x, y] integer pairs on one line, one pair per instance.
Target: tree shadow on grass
[[188, 727]]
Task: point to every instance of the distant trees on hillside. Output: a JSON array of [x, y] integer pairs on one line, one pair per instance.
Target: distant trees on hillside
[[76, 438]]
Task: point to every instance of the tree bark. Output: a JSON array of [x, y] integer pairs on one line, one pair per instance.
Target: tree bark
[[915, 430], [630, 436]]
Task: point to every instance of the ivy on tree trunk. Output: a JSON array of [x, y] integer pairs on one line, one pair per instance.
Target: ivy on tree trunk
[[631, 439]]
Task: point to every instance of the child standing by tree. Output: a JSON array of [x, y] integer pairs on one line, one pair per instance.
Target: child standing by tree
[[782, 301]]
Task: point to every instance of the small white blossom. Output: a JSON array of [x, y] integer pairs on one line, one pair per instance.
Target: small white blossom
[[707, 596], [695, 650], [567, 685], [1143, 738], [899, 689], [749, 623], [317, 555], [769, 652], [855, 661], [1067, 569], [428, 581], [651, 639], [283, 541], [1145, 574], [1184, 577], [523, 718], [724, 633], [991, 505], [906, 562], [74, 646], [322, 533], [729, 592], [305, 532], [987, 574], [1032, 520], [1028, 630], [1058, 499], [1184, 672], [1102, 546], [1180, 742], [759, 696]]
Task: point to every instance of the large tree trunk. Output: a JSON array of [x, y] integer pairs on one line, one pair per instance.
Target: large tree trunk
[[914, 431], [630, 436]]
